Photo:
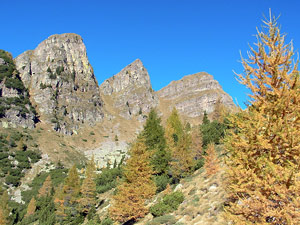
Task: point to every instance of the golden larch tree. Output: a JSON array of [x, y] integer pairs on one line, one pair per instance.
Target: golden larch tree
[[211, 160], [59, 204], [31, 207], [88, 188], [137, 186], [263, 173], [4, 210], [180, 144], [3, 220], [46, 188], [71, 188]]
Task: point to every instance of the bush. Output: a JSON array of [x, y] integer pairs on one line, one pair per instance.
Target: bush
[[167, 219], [174, 199], [108, 179], [15, 181], [160, 209], [59, 70], [161, 182], [14, 83], [168, 204]]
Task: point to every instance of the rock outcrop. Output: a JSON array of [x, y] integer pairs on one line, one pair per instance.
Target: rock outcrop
[[194, 94], [61, 83], [15, 107], [130, 91]]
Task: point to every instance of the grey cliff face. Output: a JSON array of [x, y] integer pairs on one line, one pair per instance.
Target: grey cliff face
[[61, 82], [130, 90], [15, 107], [194, 94]]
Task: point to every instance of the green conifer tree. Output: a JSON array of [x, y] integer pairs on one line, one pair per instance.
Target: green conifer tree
[[155, 141]]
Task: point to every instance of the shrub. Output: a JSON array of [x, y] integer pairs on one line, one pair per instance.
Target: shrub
[[108, 179], [161, 182], [174, 199], [59, 70], [167, 219], [160, 209], [168, 204], [15, 181], [52, 76]]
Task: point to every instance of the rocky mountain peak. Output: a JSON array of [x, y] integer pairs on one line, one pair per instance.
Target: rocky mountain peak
[[130, 90], [194, 94], [61, 82], [134, 75]]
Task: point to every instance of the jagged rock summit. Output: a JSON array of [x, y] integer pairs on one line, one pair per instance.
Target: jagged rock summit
[[61, 82], [130, 91], [194, 94]]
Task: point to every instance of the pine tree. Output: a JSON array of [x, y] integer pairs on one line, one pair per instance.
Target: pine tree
[[263, 169], [155, 141], [137, 186], [46, 188], [31, 208], [88, 188], [205, 119], [211, 160]]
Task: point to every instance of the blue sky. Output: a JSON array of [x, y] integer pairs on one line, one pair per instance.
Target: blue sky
[[173, 38]]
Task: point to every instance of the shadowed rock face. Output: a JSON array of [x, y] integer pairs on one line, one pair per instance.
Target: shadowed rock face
[[15, 107], [194, 94], [61, 82], [130, 90]]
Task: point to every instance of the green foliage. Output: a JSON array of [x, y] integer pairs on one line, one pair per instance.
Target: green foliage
[[57, 177], [168, 204], [107, 221], [166, 219], [15, 83], [10, 151], [161, 182], [160, 209], [212, 132], [154, 136], [59, 70], [12, 79], [108, 179], [52, 76]]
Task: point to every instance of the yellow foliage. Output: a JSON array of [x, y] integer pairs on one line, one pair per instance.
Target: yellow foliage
[[3, 220], [137, 186], [46, 188], [264, 147], [211, 160], [31, 208]]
